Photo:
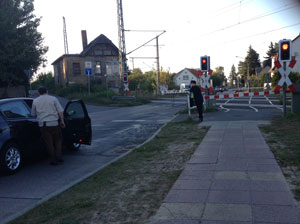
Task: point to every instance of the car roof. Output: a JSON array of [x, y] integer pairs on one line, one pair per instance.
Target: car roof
[[13, 99]]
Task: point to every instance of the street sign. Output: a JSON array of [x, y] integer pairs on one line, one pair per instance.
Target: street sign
[[29, 73], [88, 71], [88, 64], [205, 83], [285, 75]]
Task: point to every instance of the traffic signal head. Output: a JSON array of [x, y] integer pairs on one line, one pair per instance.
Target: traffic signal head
[[125, 77], [285, 52], [204, 62]]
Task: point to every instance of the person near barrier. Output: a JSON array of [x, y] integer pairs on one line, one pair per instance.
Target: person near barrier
[[197, 98], [48, 110]]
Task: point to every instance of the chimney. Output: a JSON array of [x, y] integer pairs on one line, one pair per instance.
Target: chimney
[[84, 39]]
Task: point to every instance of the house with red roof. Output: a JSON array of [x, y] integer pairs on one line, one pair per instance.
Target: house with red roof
[[186, 75]]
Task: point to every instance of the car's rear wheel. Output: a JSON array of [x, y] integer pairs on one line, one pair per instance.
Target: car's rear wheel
[[74, 146], [11, 158]]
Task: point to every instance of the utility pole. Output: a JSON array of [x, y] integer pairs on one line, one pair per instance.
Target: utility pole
[[122, 46], [158, 67]]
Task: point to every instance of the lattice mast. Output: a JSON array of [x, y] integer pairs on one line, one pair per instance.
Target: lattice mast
[[65, 37], [121, 33]]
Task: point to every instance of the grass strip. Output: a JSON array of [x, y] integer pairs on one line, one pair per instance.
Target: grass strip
[[283, 137], [129, 190]]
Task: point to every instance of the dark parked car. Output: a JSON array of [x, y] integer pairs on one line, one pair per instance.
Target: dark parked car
[[20, 136]]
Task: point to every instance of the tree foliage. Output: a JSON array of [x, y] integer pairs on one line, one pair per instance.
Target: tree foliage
[[147, 81], [45, 79], [21, 45], [247, 67], [272, 51], [218, 76], [232, 75]]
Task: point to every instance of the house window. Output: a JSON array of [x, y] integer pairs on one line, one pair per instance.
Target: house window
[[76, 69], [107, 52], [185, 77], [98, 52], [108, 68], [98, 68], [116, 67]]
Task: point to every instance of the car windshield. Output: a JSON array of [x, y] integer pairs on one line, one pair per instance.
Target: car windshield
[[15, 109]]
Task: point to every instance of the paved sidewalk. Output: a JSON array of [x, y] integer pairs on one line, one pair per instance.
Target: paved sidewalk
[[232, 178]]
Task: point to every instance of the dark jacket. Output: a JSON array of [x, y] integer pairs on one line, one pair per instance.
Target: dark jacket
[[198, 98]]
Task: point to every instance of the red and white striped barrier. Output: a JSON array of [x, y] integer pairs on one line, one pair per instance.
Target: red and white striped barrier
[[236, 95]]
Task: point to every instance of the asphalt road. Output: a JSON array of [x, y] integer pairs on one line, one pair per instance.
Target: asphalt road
[[115, 132]]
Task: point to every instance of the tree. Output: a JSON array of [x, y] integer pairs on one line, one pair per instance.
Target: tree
[[273, 49], [232, 75], [21, 45], [218, 76], [247, 67]]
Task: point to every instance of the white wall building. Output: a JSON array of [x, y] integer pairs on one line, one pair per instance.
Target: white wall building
[[296, 53], [186, 75]]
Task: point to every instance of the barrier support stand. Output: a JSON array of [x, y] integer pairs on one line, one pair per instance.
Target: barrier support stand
[[284, 93], [189, 106]]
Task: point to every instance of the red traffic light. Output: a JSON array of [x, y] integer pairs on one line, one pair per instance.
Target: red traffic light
[[125, 77], [285, 46], [203, 60]]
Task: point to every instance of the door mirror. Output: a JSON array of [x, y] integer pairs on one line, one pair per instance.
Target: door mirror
[[71, 112], [75, 110]]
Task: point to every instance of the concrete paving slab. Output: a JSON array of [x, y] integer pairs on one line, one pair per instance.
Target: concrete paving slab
[[230, 175], [263, 168], [235, 165], [276, 214], [229, 197], [196, 175], [195, 166], [272, 198], [269, 186], [192, 184], [261, 161], [186, 196], [203, 160], [173, 211], [231, 185], [227, 212], [266, 176]]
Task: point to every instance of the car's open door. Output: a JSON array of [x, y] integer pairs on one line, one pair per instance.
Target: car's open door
[[78, 123]]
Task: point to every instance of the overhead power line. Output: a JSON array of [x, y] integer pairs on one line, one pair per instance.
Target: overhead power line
[[250, 20], [258, 34]]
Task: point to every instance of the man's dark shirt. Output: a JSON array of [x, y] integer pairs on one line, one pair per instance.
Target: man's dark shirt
[[197, 95]]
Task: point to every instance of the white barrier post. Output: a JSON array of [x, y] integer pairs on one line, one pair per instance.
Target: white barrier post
[[189, 106]]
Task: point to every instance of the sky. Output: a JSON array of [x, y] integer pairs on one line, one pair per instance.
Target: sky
[[221, 29]]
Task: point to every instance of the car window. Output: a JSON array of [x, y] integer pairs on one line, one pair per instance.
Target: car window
[[29, 102], [75, 110], [15, 109]]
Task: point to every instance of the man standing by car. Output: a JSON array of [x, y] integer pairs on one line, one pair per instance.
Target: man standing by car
[[48, 110], [196, 95]]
